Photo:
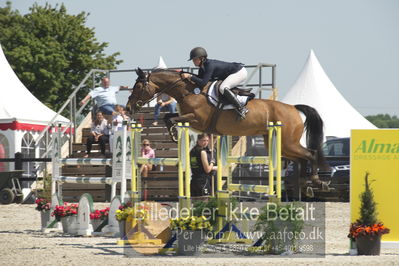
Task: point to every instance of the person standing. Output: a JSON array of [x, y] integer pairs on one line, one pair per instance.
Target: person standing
[[104, 96], [202, 166]]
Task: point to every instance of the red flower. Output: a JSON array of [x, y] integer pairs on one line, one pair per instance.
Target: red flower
[[357, 229], [100, 214], [125, 205], [65, 210], [42, 204]]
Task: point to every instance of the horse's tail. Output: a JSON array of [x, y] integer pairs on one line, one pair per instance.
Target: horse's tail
[[314, 130]]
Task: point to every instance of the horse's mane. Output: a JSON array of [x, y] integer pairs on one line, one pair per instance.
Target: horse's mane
[[172, 71]]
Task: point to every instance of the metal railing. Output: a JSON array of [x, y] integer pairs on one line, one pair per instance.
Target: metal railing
[[73, 114], [260, 85]]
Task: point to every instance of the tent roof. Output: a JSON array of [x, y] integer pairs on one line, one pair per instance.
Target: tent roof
[[17, 103], [161, 63], [314, 88]]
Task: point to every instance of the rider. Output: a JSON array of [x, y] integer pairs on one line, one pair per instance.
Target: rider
[[232, 75]]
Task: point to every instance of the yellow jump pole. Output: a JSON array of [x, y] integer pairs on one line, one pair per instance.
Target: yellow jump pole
[[219, 163], [184, 174], [187, 158], [134, 162], [278, 155], [179, 165], [270, 154], [221, 195], [133, 224]]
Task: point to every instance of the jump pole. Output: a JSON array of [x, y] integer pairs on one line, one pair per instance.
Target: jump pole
[[141, 235], [228, 232], [184, 177]]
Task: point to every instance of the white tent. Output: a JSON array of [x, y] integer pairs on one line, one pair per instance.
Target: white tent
[[22, 115], [161, 63], [314, 88]]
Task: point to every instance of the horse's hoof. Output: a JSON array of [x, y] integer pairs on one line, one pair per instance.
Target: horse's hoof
[[309, 192], [173, 133], [325, 186], [322, 185]]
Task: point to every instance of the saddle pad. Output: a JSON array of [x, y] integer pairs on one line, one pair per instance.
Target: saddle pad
[[213, 97]]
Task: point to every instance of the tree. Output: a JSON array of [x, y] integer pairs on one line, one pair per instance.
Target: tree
[[368, 210], [51, 51], [384, 121]]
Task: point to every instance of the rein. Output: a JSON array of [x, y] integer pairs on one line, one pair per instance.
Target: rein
[[147, 81]]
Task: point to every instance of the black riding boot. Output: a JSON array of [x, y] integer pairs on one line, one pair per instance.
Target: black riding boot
[[241, 109]]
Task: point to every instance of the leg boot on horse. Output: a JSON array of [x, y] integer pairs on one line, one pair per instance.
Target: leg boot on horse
[[316, 183], [323, 185], [230, 96]]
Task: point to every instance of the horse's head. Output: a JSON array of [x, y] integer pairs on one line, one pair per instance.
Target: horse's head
[[142, 92]]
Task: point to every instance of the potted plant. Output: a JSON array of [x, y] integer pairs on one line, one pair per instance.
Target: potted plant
[[67, 214], [367, 230], [191, 232], [210, 208], [99, 218], [126, 214], [272, 226], [43, 206], [121, 215]]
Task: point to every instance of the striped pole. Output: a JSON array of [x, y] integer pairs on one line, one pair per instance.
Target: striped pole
[[84, 180], [85, 161]]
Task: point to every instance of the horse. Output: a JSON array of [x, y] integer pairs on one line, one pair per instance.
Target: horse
[[202, 116]]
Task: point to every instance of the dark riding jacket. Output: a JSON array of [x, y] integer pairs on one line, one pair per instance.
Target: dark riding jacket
[[215, 70]]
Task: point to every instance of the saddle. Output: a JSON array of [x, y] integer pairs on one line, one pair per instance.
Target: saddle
[[217, 99]]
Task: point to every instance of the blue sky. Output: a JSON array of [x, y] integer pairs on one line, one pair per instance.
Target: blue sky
[[356, 41]]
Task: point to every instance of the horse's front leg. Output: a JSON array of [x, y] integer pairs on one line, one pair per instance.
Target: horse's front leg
[[172, 121], [190, 118]]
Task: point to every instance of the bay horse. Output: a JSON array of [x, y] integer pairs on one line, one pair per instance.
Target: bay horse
[[196, 109]]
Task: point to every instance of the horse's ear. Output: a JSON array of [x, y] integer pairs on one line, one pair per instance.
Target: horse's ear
[[140, 73]]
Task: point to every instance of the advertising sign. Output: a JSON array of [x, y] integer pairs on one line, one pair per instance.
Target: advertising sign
[[377, 152]]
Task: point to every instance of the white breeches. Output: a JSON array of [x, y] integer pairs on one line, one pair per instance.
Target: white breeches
[[234, 80]]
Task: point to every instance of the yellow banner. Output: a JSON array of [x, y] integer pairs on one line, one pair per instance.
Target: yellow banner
[[377, 152]]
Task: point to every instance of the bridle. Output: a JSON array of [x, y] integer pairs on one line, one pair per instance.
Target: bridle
[[146, 81]]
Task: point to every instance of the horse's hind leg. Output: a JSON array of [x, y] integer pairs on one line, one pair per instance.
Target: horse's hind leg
[[298, 153]]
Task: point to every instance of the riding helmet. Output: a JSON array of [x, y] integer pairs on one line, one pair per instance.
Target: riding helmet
[[197, 52]]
